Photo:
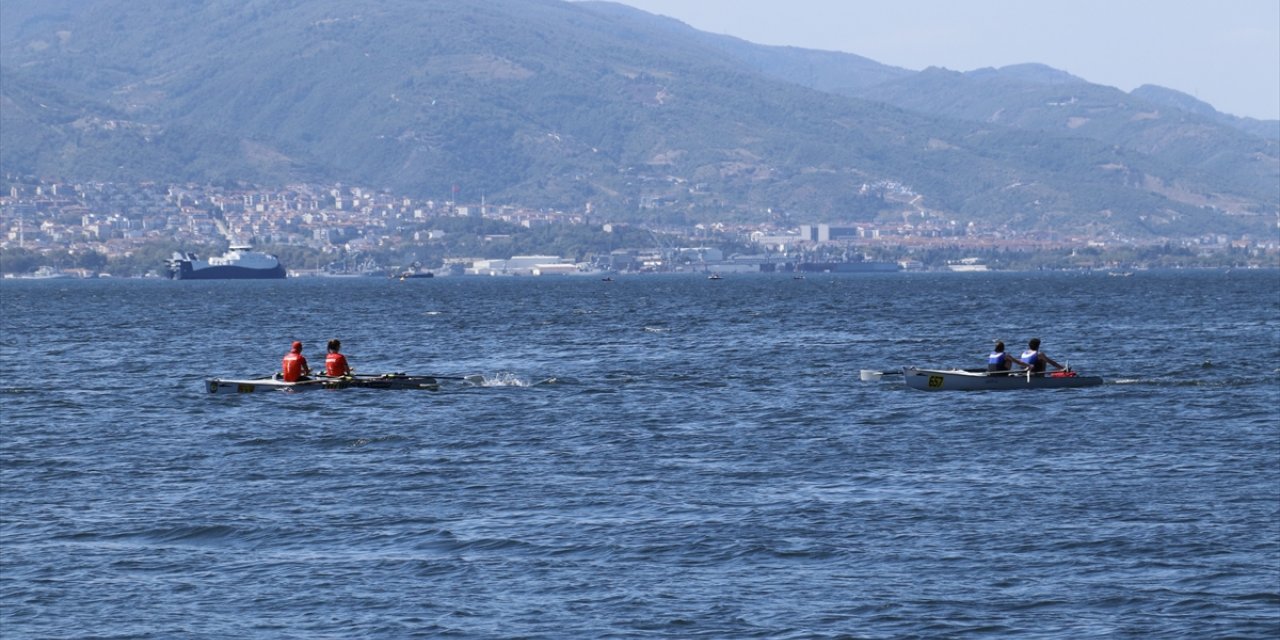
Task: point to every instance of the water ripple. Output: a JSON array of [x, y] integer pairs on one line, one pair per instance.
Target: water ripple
[[654, 458]]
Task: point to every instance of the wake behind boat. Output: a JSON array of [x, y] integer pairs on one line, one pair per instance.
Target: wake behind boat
[[358, 381], [981, 379]]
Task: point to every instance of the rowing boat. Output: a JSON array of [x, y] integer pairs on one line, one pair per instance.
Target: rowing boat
[[380, 381], [980, 379]]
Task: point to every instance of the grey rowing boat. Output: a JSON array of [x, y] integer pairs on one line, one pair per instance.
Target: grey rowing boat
[[380, 381], [979, 380]]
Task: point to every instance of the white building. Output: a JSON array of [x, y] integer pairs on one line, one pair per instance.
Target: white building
[[521, 265]]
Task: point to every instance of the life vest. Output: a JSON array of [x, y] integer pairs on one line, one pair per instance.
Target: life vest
[[998, 361], [1033, 358], [335, 364], [292, 366]]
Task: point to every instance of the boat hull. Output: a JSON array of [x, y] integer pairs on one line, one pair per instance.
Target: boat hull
[[263, 385], [977, 380], [227, 272], [240, 262]]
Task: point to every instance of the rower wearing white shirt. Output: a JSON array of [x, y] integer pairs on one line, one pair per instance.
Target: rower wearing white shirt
[[1035, 359], [999, 362]]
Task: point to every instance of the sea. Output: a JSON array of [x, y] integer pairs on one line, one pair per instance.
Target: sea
[[660, 456]]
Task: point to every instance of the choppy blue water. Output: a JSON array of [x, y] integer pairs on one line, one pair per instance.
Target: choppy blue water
[[650, 457]]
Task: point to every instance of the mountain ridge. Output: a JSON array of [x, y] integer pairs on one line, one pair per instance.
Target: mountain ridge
[[558, 105]]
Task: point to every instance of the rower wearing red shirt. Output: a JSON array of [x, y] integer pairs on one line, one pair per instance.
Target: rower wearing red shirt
[[335, 364], [295, 364]]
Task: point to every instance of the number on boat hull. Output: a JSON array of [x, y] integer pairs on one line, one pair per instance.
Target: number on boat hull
[[935, 382]]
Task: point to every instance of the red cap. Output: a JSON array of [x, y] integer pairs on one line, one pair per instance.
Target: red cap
[[297, 346]]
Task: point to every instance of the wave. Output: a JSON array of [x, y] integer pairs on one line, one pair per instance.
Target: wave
[[1166, 381], [508, 379]]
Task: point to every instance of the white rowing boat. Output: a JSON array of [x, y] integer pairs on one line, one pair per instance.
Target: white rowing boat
[[381, 381], [980, 379]]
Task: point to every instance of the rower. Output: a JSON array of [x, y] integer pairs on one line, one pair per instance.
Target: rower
[[1035, 359], [295, 364], [335, 364], [999, 362]]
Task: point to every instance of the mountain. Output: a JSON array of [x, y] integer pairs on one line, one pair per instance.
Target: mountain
[[1238, 154], [1056, 105], [1269, 129], [557, 104], [46, 130], [828, 71]]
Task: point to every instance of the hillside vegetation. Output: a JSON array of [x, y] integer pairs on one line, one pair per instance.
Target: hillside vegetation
[[555, 104]]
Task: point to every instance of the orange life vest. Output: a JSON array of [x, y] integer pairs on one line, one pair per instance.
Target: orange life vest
[[293, 364], [335, 364]]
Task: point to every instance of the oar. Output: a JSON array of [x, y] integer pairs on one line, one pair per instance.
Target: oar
[[474, 378], [401, 374], [871, 375]]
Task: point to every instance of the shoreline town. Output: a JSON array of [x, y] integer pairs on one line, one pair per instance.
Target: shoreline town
[[93, 229]]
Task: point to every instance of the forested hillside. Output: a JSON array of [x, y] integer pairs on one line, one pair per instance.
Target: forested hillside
[[556, 104]]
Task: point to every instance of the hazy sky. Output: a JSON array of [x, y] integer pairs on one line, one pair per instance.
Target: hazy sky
[[1224, 52]]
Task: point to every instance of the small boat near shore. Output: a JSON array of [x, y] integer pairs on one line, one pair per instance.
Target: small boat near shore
[[414, 271], [983, 380], [358, 381], [413, 274]]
